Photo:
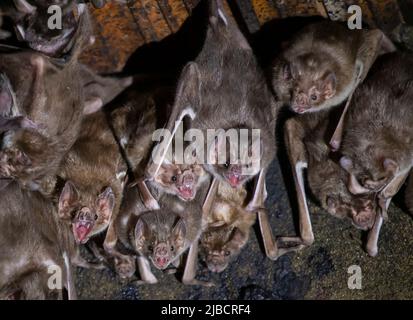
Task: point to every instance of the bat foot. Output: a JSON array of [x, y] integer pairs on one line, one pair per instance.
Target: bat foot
[[13, 160], [151, 204], [372, 250], [195, 282], [125, 268]]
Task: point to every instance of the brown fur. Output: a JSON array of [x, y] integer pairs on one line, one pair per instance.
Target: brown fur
[[378, 140], [31, 238], [227, 228]]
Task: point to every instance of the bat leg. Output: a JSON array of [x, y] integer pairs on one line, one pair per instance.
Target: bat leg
[[275, 249], [147, 277], [210, 198], [190, 268], [97, 252], [146, 196], [294, 135], [175, 120], [372, 247], [258, 199], [78, 261]]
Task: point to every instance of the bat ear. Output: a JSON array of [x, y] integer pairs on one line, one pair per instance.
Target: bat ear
[[287, 72], [331, 205], [189, 87], [92, 105], [390, 166], [140, 234], [24, 7], [105, 203], [68, 197], [179, 232], [346, 163], [329, 85], [6, 96]]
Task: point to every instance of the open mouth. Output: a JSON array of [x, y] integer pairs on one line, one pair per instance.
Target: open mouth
[[81, 230], [186, 192], [234, 180], [161, 263]]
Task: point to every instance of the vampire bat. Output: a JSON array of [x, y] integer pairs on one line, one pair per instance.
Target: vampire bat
[[92, 167], [37, 24], [49, 94], [225, 90], [160, 236], [33, 242], [323, 65], [227, 228], [377, 146], [306, 139]]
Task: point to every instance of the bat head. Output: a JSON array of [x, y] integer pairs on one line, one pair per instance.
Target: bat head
[[312, 83], [361, 210], [88, 214], [33, 25], [181, 180], [220, 245], [232, 162], [160, 239]]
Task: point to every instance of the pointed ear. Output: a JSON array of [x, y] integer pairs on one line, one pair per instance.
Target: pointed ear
[[287, 73], [92, 105], [390, 166], [329, 85], [68, 198], [238, 239], [6, 96], [141, 230], [105, 203], [189, 87], [346, 163], [179, 233]]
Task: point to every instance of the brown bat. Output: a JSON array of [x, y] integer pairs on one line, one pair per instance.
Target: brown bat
[[377, 147], [323, 65], [306, 138], [227, 230], [31, 22], [178, 223], [51, 97], [93, 170], [225, 89], [35, 246]]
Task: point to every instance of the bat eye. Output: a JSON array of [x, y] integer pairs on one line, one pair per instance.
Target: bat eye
[[227, 253], [172, 248], [314, 97], [150, 248], [174, 178], [226, 164], [96, 216]]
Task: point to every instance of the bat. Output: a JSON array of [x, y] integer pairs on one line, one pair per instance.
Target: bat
[[51, 97], [224, 88], [227, 230], [33, 240], [377, 151], [323, 65]]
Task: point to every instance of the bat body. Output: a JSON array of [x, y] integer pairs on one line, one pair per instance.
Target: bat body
[[227, 228], [377, 146], [33, 242], [51, 97], [95, 171], [323, 65]]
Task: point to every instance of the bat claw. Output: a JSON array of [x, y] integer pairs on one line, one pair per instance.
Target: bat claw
[[143, 282]]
